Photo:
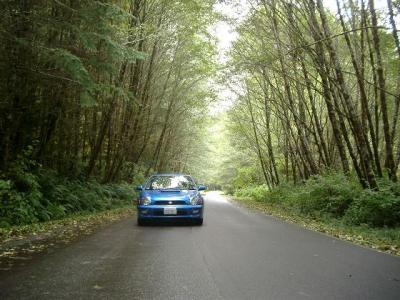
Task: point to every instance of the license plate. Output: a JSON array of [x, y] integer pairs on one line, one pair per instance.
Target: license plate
[[169, 210]]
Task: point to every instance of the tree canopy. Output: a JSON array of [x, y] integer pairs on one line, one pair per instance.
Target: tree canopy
[[104, 88], [317, 91]]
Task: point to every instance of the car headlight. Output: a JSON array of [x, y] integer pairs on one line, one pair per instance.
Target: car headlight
[[196, 200], [145, 200]]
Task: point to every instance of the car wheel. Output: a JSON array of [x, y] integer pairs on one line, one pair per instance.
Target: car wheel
[[198, 222], [141, 222]]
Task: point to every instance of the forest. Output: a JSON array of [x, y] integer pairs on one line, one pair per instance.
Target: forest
[[97, 95], [316, 120]]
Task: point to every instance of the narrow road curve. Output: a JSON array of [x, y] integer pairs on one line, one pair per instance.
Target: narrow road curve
[[236, 254]]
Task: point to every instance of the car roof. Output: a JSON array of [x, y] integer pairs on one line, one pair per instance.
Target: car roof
[[170, 174]]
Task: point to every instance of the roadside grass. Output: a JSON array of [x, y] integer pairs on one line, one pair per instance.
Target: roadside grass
[[383, 239], [16, 241]]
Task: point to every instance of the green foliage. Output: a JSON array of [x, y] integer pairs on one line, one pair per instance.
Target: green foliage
[[20, 192], [91, 82], [246, 176], [257, 193], [29, 197], [333, 196], [330, 195], [282, 116], [376, 208], [71, 65]]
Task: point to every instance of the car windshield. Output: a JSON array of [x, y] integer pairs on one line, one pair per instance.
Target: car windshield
[[170, 182]]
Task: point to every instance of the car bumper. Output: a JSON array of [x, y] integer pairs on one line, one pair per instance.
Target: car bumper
[[183, 211]]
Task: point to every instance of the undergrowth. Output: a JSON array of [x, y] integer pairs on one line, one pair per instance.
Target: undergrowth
[[31, 194], [333, 196]]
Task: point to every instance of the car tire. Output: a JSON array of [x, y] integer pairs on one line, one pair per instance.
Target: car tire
[[141, 222], [198, 222]]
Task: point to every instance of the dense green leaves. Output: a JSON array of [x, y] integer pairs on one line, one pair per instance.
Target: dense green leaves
[[317, 109], [332, 196], [98, 91], [33, 194], [316, 91]]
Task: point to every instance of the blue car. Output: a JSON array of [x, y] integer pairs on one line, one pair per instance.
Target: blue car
[[170, 196]]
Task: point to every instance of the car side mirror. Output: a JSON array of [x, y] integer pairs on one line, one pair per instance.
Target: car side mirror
[[139, 188], [201, 187]]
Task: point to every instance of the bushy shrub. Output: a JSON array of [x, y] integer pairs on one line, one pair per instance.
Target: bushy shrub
[[229, 189], [20, 194], [336, 196], [331, 194], [258, 193], [283, 195], [28, 197], [375, 208], [16, 206]]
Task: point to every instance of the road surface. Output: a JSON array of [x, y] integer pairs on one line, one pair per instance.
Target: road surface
[[236, 254]]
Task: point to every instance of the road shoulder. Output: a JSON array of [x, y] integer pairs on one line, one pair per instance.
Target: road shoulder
[[19, 243], [383, 240]]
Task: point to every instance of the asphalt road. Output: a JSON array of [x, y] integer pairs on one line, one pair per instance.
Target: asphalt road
[[236, 254]]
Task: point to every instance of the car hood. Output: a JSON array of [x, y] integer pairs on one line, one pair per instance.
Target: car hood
[[184, 195]]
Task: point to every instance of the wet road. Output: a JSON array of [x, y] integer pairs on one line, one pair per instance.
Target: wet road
[[236, 254]]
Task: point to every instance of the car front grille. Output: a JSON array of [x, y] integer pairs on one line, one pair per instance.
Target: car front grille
[[170, 202], [179, 212]]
